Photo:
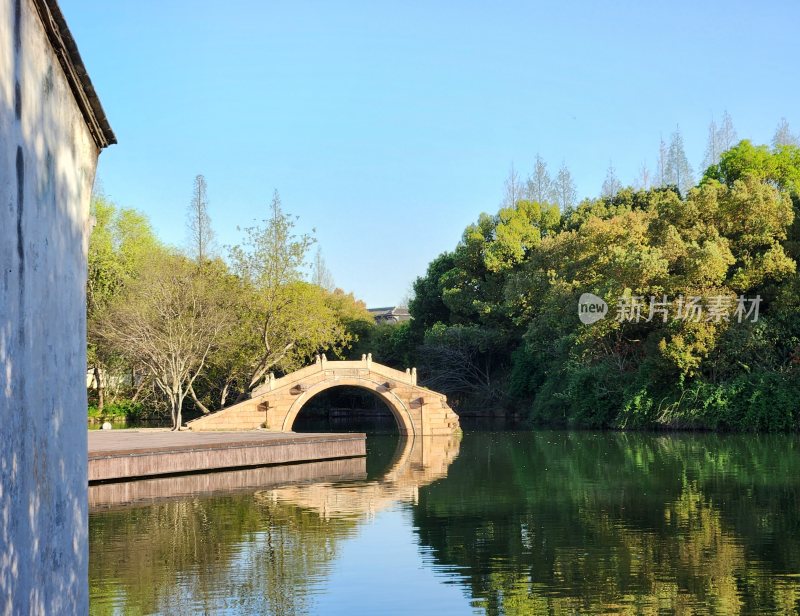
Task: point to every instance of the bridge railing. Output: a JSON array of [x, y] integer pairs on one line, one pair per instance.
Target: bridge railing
[[321, 363], [409, 376]]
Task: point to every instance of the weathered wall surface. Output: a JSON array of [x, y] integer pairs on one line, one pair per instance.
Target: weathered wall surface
[[47, 165]]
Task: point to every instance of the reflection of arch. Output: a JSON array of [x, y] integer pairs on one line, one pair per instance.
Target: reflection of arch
[[418, 461], [398, 409], [400, 459]]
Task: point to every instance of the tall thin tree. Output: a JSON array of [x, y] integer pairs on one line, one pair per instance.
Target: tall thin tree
[[540, 184], [720, 139], [320, 274], [727, 136], [513, 188], [564, 191], [201, 235], [712, 154], [678, 170], [783, 135], [661, 165], [611, 185], [271, 258], [643, 179]]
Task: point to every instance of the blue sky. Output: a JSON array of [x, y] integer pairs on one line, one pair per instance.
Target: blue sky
[[389, 126]]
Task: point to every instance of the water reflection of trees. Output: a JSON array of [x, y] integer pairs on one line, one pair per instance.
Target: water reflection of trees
[[630, 523], [205, 555], [529, 523]]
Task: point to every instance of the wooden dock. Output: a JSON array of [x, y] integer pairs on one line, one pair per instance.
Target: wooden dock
[[116, 455]]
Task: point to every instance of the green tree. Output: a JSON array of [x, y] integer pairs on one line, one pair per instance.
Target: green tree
[[356, 321], [119, 244], [427, 305], [284, 320]]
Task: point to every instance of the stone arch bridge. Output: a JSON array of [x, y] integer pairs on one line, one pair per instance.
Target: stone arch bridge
[[276, 404]]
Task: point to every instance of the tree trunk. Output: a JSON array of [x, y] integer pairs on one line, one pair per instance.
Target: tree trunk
[[173, 411], [98, 379], [179, 412], [139, 387], [224, 396], [200, 405]]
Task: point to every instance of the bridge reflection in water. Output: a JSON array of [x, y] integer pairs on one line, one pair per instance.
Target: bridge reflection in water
[[418, 461], [330, 488]]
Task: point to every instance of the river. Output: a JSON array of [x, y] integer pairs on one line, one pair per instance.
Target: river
[[550, 522]]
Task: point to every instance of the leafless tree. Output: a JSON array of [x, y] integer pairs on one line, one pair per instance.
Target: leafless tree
[[712, 146], [678, 170], [643, 179], [727, 136], [611, 185], [661, 165], [169, 321], [459, 363], [720, 139], [564, 191], [784, 136], [201, 235], [540, 184], [320, 274], [513, 188]]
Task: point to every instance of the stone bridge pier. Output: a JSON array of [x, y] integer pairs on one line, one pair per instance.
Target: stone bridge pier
[[276, 404]]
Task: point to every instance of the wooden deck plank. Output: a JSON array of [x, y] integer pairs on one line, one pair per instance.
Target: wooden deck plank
[[126, 454]]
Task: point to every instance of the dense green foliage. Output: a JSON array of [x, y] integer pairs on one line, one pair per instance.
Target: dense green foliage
[[124, 410], [496, 322]]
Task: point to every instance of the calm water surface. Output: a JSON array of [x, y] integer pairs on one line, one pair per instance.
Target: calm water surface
[[493, 523]]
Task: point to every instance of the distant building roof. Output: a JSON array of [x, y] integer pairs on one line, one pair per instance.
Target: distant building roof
[[390, 314], [66, 51]]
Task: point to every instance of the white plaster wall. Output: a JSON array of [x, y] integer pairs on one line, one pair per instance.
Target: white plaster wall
[[47, 165]]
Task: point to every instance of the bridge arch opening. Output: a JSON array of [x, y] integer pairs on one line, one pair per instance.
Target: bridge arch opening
[[345, 409], [313, 403]]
